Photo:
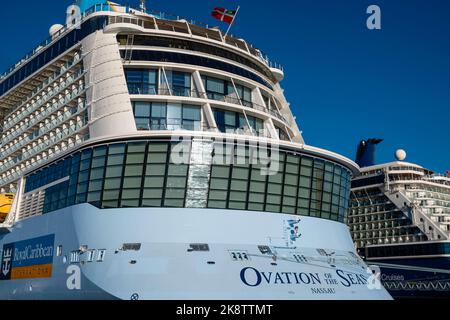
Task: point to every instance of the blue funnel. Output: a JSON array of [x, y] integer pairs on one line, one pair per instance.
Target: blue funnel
[[365, 155]]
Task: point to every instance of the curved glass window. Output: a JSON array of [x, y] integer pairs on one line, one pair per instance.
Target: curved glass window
[[160, 56], [167, 116], [165, 42], [142, 81], [282, 134], [149, 174], [223, 90], [235, 122]]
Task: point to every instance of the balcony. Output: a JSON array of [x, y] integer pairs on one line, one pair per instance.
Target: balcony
[[192, 93]]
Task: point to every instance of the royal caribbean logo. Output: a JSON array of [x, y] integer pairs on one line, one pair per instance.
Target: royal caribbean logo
[[28, 259]]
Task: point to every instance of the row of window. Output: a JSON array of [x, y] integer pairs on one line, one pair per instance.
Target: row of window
[[143, 174], [296, 185], [414, 249], [55, 50], [145, 81], [176, 116], [160, 56], [167, 116], [151, 41]]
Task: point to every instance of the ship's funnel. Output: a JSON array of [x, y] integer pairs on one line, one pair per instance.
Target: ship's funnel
[[365, 155]]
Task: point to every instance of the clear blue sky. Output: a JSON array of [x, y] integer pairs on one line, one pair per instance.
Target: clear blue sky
[[343, 81]]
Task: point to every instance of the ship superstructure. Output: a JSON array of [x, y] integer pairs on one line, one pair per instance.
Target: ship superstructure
[[399, 217], [154, 158]]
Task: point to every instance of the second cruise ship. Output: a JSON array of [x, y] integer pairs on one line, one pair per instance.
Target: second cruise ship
[[145, 156], [400, 221]]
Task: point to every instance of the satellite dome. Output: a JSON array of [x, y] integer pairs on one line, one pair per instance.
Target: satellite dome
[[400, 155], [54, 29]]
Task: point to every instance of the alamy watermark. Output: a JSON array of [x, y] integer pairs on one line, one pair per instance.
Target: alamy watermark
[[227, 151], [374, 20]]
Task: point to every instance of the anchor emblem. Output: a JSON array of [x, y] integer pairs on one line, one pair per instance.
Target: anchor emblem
[[6, 265]]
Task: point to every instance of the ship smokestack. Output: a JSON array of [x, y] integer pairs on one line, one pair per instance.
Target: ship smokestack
[[365, 155]]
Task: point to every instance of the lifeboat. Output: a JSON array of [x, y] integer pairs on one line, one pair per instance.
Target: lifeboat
[[6, 200]]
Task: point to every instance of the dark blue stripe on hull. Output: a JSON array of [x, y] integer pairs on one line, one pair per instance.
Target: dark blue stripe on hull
[[406, 278]]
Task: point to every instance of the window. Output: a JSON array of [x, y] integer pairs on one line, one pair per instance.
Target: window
[[142, 174], [229, 121], [180, 83], [245, 94], [216, 89], [132, 176], [90, 255], [59, 251], [142, 81], [101, 255], [282, 134], [143, 55], [195, 46], [167, 116], [75, 256], [223, 90]]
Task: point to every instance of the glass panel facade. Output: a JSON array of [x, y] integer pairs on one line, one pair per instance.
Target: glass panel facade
[[172, 57], [142, 174], [142, 81], [234, 122], [180, 83], [167, 116], [282, 134], [152, 41], [223, 90]]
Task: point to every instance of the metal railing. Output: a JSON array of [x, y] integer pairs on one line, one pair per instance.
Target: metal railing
[[68, 66], [61, 102], [138, 89], [158, 15], [19, 173]]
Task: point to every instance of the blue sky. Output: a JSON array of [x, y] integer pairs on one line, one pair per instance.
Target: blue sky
[[344, 82]]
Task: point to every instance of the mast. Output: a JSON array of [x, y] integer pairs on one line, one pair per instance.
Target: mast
[[142, 6]]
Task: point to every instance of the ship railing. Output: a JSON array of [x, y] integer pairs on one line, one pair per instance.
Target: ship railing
[[39, 103], [59, 120], [57, 137], [19, 173], [12, 120], [195, 28], [158, 15], [192, 93]]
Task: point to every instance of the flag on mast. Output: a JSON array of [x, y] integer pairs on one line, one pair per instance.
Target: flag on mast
[[224, 15]]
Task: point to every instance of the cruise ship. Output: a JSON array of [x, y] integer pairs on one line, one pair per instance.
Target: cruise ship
[[400, 221], [145, 156]]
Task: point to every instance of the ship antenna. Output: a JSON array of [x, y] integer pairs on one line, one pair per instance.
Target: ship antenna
[[142, 6]]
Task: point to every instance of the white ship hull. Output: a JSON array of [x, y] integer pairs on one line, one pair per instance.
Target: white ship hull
[[235, 266]]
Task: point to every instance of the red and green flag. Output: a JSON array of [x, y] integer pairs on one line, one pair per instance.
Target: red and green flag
[[224, 15]]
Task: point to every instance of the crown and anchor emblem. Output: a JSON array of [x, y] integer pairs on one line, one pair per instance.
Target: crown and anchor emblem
[[6, 264]]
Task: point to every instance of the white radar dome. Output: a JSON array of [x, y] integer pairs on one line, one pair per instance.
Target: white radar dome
[[400, 155], [54, 29]]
